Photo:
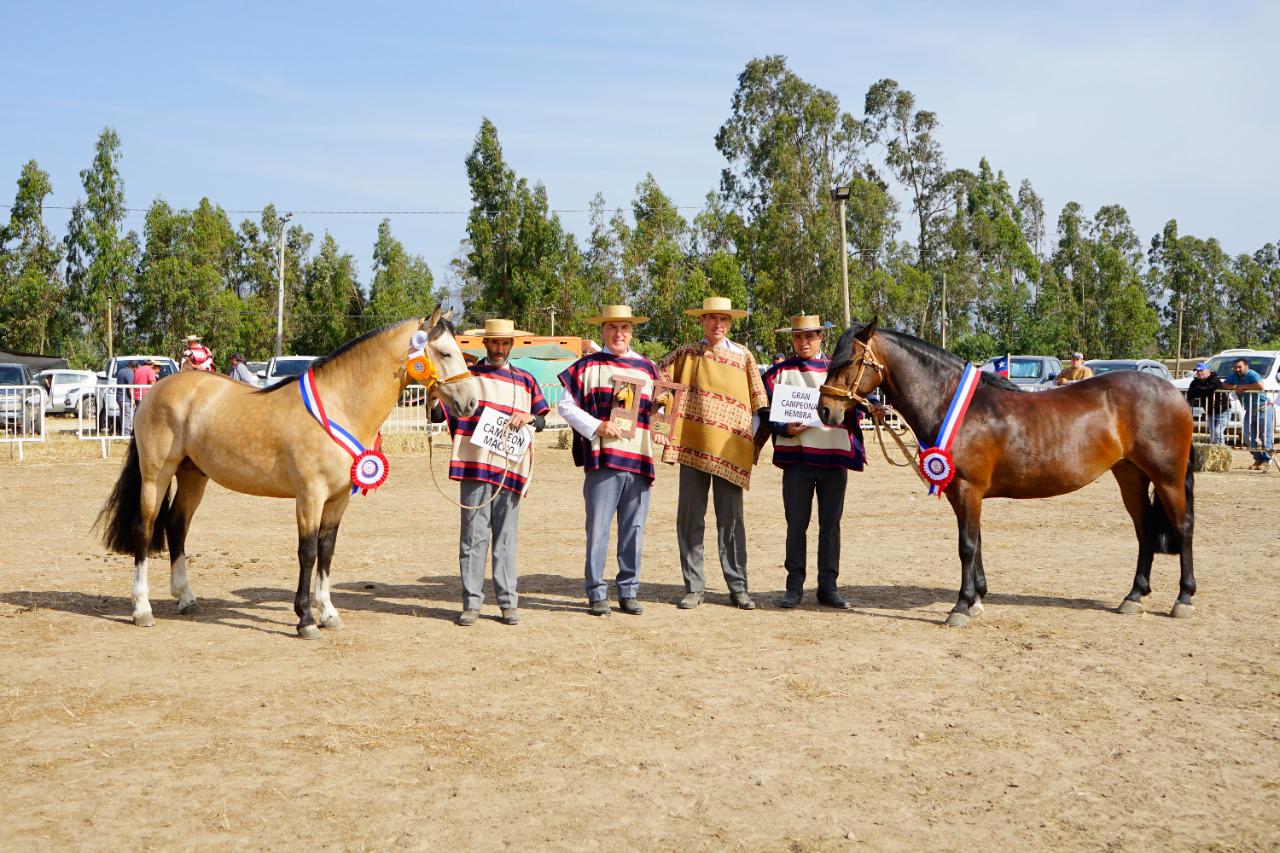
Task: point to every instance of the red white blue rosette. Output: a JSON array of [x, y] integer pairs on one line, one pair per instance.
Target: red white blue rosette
[[369, 470], [938, 468]]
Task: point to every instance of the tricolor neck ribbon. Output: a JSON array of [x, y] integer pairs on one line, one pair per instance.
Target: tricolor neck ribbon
[[369, 468], [935, 462]]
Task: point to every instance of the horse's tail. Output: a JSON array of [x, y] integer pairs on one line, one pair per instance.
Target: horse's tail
[[121, 516], [1159, 529]]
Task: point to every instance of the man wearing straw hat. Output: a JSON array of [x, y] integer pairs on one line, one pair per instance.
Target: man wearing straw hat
[[618, 467], [813, 459], [491, 486], [714, 447], [196, 356]]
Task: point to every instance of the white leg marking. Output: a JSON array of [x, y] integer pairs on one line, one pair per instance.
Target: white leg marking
[[141, 603], [180, 585], [328, 613]]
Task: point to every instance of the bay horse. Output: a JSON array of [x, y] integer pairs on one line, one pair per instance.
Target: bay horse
[[198, 426], [1016, 444]]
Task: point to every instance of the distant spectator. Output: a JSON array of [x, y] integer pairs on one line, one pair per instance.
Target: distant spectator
[[240, 371], [1257, 412], [124, 399], [143, 375], [1205, 389], [1075, 372], [197, 356]]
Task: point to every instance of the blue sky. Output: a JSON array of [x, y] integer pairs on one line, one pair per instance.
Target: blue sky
[[1167, 109]]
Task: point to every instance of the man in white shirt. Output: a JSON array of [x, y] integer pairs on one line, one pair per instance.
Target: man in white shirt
[[618, 463]]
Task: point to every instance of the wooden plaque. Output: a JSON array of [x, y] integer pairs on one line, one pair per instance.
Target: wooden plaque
[[665, 408], [626, 405]]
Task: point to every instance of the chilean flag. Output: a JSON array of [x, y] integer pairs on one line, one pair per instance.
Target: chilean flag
[[999, 366]]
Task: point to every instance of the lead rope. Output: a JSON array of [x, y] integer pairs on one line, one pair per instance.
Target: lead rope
[[508, 468], [913, 459]]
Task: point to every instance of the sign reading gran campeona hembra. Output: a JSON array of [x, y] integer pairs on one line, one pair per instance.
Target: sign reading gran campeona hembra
[[795, 403]]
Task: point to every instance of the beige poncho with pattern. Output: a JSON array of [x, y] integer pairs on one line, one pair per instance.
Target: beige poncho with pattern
[[714, 431]]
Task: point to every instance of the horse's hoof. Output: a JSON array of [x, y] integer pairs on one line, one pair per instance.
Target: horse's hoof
[[309, 632], [956, 619], [188, 609], [1129, 607], [144, 620], [333, 623], [1182, 611]]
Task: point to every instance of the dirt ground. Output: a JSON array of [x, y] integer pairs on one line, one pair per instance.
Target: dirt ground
[[1051, 722]]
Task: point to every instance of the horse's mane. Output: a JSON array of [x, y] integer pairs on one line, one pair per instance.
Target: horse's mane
[[915, 346], [350, 345]]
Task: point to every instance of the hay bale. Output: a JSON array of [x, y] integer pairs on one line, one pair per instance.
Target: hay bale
[[1210, 457], [410, 442]]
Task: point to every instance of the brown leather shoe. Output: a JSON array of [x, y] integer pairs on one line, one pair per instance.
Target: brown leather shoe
[[510, 616], [690, 600], [630, 606], [600, 608], [468, 617], [741, 600]]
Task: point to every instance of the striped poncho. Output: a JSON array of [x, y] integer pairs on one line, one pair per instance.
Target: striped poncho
[[589, 383], [713, 434], [825, 447], [507, 389]]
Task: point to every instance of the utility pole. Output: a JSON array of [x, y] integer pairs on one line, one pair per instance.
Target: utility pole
[[944, 309], [280, 294], [110, 354], [841, 195], [552, 312], [1177, 366]]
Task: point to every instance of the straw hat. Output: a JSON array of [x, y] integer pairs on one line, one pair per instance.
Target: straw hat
[[805, 323], [191, 338], [498, 328], [616, 314], [716, 305]]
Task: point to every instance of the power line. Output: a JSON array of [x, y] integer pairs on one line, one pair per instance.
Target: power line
[[248, 212]]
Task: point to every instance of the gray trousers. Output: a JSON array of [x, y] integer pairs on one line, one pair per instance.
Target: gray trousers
[[799, 483], [608, 491], [691, 521], [496, 523]]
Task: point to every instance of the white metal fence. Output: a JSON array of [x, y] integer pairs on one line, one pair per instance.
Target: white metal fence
[[21, 415], [1245, 419]]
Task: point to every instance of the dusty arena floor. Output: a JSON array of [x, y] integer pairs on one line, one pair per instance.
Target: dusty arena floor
[[1050, 723]]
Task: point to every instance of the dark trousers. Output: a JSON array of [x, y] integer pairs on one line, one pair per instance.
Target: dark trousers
[[691, 521], [799, 483]]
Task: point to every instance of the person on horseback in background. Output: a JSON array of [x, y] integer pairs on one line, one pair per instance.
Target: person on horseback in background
[[197, 356], [813, 460]]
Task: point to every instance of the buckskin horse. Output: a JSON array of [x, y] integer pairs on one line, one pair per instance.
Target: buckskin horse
[[1014, 444], [199, 426]]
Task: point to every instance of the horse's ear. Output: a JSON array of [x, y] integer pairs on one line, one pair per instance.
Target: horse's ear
[[435, 318], [448, 316], [864, 334]]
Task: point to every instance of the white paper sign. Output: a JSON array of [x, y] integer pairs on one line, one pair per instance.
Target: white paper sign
[[793, 403], [492, 435]]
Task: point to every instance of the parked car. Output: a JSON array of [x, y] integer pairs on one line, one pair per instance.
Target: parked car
[[284, 367], [59, 383], [257, 368], [1033, 372], [1142, 365], [20, 410], [90, 396]]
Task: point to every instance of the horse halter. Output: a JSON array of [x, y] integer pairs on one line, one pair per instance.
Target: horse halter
[[866, 359]]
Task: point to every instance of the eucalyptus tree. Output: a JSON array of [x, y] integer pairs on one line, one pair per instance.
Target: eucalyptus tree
[[31, 284], [787, 143], [402, 284], [101, 256]]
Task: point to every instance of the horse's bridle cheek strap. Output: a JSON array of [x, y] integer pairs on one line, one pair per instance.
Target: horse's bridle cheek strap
[[865, 360], [455, 378]]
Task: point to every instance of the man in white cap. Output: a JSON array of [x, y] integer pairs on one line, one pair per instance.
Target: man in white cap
[[714, 447], [813, 459], [1077, 371], [197, 356], [489, 518], [618, 466]]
